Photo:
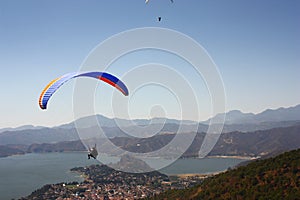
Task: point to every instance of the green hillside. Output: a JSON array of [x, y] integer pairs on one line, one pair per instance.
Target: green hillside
[[273, 178]]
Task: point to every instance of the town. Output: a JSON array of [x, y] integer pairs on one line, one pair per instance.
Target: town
[[103, 182]]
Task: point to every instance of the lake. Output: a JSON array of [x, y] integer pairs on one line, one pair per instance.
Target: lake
[[22, 174]]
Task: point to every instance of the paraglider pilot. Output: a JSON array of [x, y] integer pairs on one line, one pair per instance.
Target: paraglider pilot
[[93, 152]]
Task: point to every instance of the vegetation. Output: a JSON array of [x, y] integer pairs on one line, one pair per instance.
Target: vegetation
[[273, 178], [8, 151]]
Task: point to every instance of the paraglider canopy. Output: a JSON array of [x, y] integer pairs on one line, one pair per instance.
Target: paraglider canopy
[[52, 87]]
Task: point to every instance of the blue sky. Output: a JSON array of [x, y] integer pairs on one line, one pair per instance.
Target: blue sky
[[255, 44]]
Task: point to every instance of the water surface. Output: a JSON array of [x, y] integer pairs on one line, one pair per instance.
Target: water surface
[[21, 175]]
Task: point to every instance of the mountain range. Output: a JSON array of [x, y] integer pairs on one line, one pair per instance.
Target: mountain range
[[235, 121], [269, 115], [232, 117]]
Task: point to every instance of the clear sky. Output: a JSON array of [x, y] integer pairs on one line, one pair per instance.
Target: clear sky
[[255, 44]]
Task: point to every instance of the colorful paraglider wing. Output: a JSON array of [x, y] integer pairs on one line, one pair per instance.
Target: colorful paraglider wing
[[51, 88], [108, 78]]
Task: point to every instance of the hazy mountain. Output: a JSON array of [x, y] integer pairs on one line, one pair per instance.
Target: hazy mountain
[[25, 127], [280, 114], [247, 127], [44, 135], [56, 147], [232, 117], [103, 121], [52, 135], [8, 151], [259, 143], [269, 115]]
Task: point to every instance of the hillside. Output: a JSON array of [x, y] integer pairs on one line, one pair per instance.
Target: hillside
[[252, 144], [258, 143], [8, 151], [273, 178]]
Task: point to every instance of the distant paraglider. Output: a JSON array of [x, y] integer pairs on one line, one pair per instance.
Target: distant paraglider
[[51, 88], [158, 18]]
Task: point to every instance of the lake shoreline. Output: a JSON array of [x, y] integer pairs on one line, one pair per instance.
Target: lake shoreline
[[202, 175], [236, 157], [181, 158], [191, 157]]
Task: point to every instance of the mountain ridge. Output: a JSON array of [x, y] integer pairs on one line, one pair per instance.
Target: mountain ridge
[[269, 115], [232, 117]]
